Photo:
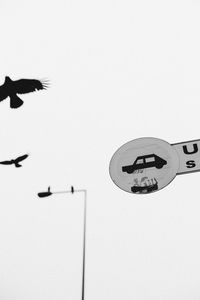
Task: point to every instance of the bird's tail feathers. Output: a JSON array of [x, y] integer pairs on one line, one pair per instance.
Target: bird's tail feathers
[[17, 165], [15, 101]]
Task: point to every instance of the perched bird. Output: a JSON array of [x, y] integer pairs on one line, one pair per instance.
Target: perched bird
[[14, 161], [72, 189], [11, 88]]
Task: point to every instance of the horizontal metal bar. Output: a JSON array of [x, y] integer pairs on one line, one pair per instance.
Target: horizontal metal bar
[[64, 192]]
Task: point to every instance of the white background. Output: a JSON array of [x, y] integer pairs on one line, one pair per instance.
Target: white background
[[119, 70]]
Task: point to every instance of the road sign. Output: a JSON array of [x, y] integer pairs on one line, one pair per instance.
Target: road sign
[[189, 156], [144, 165]]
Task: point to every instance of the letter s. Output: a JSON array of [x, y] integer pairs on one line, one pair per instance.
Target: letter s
[[190, 164]]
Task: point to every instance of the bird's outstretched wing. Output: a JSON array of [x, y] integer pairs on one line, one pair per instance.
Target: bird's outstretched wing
[[20, 158], [6, 162], [24, 86], [3, 92]]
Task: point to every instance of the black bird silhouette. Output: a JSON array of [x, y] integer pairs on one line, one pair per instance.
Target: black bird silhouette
[[72, 189], [11, 88], [14, 161]]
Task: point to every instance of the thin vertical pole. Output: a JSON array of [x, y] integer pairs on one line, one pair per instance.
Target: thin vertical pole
[[48, 193], [84, 242]]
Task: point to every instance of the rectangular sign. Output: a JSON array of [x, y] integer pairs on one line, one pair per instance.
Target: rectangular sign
[[189, 156]]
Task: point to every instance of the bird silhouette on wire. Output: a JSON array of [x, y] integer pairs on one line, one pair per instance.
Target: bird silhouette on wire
[[11, 88], [14, 161]]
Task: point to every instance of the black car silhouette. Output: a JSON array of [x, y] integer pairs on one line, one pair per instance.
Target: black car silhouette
[[145, 161]]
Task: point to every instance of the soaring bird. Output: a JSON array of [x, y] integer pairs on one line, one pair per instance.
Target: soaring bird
[[11, 88], [14, 161]]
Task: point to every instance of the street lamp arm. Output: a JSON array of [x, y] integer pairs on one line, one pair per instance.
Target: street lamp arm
[[64, 192]]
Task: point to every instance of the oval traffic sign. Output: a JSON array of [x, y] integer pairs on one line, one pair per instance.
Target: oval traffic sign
[[144, 165]]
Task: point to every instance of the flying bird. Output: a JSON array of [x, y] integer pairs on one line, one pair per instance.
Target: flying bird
[[11, 88], [14, 161]]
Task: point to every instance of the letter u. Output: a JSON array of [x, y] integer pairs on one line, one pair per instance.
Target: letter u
[[195, 149]]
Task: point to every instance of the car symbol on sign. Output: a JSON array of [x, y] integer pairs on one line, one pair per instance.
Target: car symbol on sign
[[145, 161]]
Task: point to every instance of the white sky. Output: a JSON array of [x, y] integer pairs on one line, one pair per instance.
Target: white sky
[[119, 70]]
